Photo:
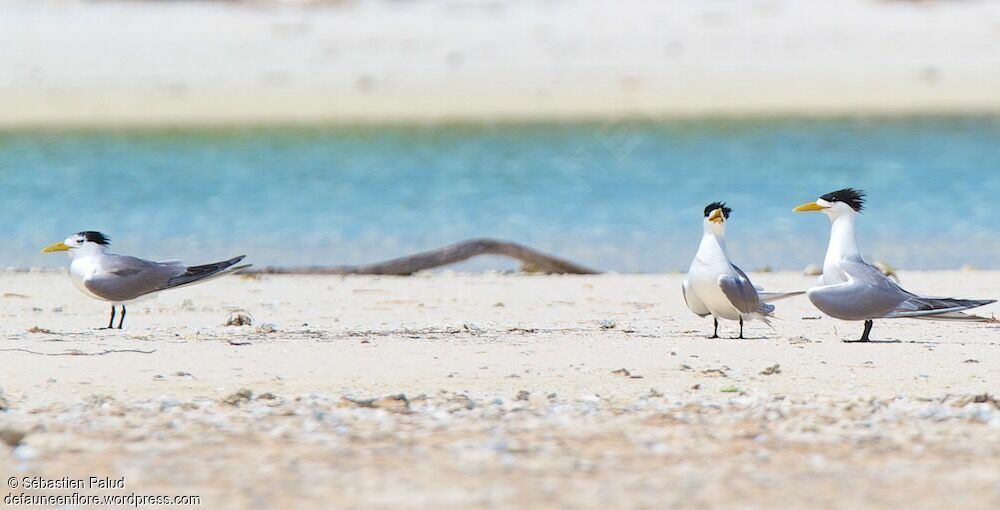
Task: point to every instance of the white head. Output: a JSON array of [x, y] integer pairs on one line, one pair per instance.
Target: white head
[[845, 202], [716, 215], [81, 242]]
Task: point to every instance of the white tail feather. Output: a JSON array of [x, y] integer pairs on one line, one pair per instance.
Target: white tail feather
[[770, 297]]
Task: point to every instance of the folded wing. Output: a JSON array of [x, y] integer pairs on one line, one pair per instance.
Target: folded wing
[[740, 291], [122, 278], [869, 294], [918, 307]]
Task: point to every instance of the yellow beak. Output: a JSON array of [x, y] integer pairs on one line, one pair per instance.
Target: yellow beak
[[811, 206], [716, 216], [56, 247]]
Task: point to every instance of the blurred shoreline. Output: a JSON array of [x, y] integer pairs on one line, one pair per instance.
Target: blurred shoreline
[[69, 64], [221, 127]]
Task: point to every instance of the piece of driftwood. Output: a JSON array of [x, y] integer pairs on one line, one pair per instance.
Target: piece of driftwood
[[533, 260]]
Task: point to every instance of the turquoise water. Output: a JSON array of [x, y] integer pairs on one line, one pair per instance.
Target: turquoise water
[[616, 196]]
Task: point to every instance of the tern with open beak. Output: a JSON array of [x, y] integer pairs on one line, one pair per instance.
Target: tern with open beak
[[853, 290], [121, 279], [715, 286]]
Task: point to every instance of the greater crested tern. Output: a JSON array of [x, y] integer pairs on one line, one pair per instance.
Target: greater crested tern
[[121, 279], [715, 286], [853, 290]]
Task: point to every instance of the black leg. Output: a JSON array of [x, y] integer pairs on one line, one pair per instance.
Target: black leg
[[741, 328], [715, 332], [111, 322], [868, 329], [122, 320], [864, 336]]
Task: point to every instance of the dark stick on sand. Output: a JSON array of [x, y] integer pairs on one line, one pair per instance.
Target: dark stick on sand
[[534, 261]]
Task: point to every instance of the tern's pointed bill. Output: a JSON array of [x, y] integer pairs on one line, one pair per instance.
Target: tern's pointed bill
[[60, 246]]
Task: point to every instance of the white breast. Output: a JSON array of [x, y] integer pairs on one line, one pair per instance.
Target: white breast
[[82, 269], [708, 265]]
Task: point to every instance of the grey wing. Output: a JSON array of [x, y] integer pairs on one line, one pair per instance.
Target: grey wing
[[908, 304], [894, 302], [740, 291], [867, 293], [693, 302], [929, 307], [196, 274], [122, 278], [923, 307]]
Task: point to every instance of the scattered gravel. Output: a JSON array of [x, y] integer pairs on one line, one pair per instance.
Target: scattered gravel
[[455, 440]]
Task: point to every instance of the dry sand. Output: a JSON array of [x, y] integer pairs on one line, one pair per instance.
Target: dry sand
[[513, 396], [83, 63]]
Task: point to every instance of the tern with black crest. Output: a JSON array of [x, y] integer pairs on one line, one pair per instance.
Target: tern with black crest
[[121, 279], [715, 286], [854, 290]]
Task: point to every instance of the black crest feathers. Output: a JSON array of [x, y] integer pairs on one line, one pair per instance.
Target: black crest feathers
[[95, 237], [718, 205], [850, 196]]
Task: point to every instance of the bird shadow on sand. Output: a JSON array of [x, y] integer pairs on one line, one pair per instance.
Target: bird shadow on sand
[[945, 342], [918, 342], [725, 338], [871, 342]]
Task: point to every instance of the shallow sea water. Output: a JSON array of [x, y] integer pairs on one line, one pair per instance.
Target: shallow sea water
[[622, 196]]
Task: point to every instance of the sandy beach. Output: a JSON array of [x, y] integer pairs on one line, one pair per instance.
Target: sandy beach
[[78, 63], [477, 390]]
